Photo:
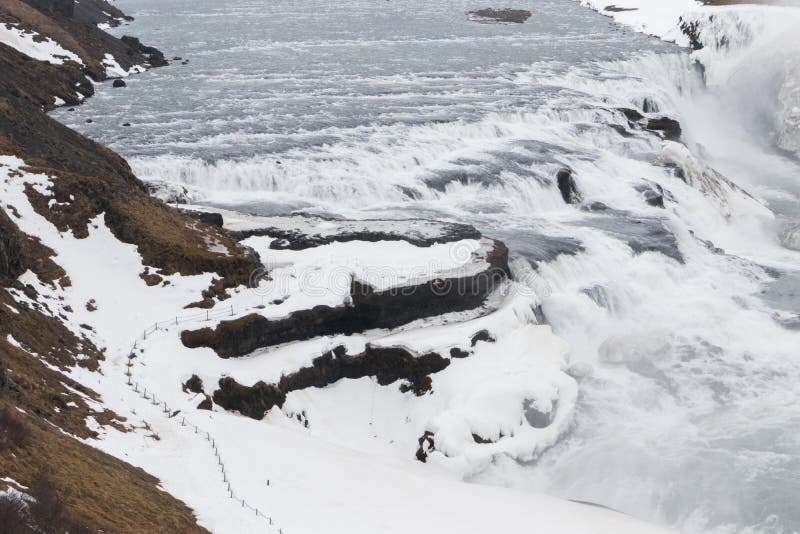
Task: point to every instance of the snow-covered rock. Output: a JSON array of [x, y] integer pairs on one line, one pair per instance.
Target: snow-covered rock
[[172, 193], [114, 70]]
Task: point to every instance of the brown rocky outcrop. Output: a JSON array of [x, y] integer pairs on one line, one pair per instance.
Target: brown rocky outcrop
[[194, 384], [253, 401], [295, 239], [386, 364]]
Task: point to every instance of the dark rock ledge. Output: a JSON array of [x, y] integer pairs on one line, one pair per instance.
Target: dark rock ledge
[[367, 309], [669, 129], [387, 364]]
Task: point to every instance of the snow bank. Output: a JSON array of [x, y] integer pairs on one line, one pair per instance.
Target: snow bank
[[383, 264], [648, 16], [35, 46], [115, 70]]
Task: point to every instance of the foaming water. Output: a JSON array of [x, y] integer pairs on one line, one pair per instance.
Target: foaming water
[[688, 314]]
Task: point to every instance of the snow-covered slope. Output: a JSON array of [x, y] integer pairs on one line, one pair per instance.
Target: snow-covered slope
[[336, 459]]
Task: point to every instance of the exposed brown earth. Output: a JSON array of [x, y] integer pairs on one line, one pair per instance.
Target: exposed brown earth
[[97, 491]]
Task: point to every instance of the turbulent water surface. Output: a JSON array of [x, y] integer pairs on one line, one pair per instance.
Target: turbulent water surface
[[687, 314]]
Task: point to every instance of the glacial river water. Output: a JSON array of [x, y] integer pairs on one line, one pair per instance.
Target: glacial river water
[[406, 108]]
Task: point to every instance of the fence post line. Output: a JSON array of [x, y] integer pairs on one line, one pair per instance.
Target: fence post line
[[152, 398]]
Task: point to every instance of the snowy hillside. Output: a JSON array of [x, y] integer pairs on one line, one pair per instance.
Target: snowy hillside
[[331, 450]]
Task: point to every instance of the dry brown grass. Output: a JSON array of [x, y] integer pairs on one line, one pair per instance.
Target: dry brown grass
[[94, 488]]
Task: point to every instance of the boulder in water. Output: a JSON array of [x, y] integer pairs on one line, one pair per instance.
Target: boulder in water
[[669, 128], [650, 106], [568, 187], [653, 194], [516, 16], [119, 83]]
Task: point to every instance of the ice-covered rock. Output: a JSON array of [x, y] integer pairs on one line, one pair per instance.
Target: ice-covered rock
[[791, 237], [732, 200], [172, 193]]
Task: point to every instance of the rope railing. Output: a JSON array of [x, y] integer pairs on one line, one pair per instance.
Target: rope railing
[[229, 311], [151, 397]]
